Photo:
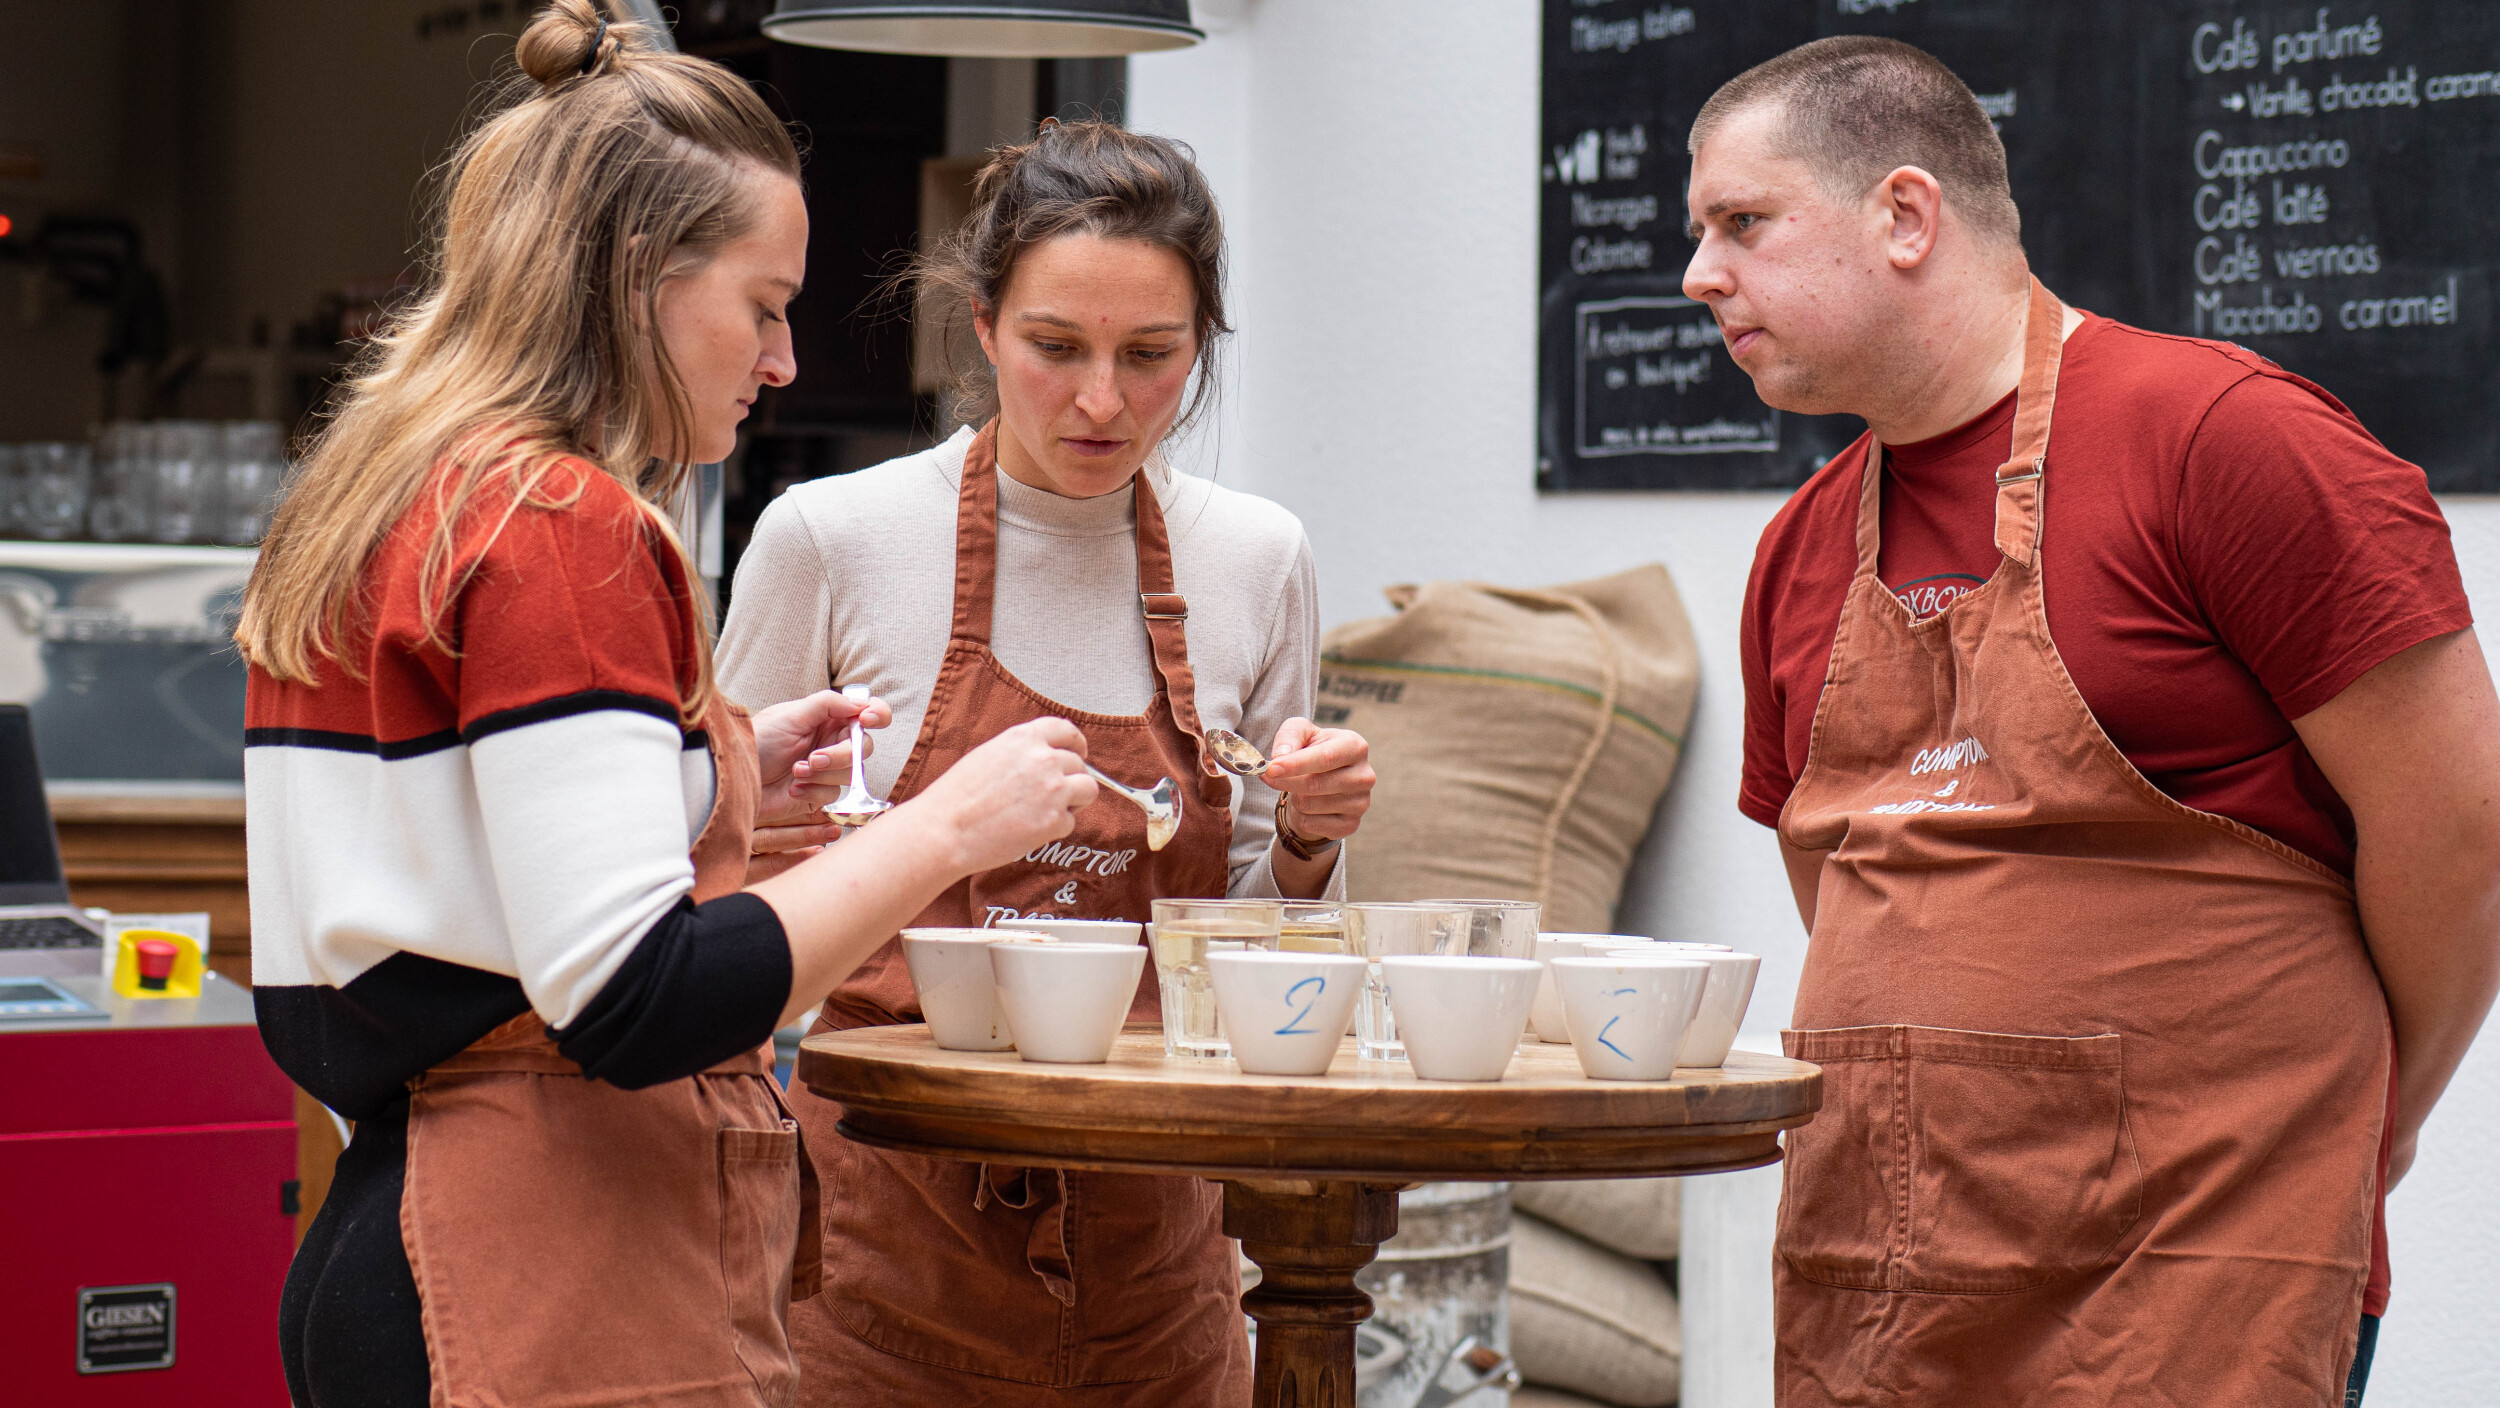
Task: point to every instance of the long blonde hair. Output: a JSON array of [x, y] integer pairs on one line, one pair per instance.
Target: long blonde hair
[[609, 167]]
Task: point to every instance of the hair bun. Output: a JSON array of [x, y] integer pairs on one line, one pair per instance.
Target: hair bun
[[570, 39]]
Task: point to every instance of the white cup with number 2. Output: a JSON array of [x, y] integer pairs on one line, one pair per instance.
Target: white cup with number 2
[[1285, 1012], [1629, 1012]]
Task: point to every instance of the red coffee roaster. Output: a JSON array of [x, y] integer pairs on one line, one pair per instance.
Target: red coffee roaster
[[147, 1150], [147, 1162]]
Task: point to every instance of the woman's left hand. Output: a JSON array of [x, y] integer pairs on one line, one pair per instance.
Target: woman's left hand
[[1326, 773], [803, 751]]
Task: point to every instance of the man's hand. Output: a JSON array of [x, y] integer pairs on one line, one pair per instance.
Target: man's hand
[[803, 751], [2413, 747]]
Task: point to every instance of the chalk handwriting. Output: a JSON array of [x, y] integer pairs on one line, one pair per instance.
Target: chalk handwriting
[[2327, 41], [2215, 318], [1630, 212], [2417, 310]]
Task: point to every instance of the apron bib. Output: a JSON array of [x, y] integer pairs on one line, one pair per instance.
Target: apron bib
[[960, 1283], [579, 1244], [2104, 1076]]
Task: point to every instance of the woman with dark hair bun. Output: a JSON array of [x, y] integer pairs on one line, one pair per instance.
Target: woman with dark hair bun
[[1048, 560], [500, 813]]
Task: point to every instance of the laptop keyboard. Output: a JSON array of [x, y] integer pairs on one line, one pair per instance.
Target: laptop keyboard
[[46, 931]]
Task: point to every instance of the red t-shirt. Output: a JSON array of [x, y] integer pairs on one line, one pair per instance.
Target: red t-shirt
[[2223, 549]]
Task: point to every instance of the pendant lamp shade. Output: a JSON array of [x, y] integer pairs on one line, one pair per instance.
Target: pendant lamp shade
[[990, 29]]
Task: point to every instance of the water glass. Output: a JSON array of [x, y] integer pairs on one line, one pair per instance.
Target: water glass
[[184, 504], [254, 468], [1185, 932], [16, 509], [14, 519], [1314, 926], [1384, 930], [1499, 928], [117, 500], [56, 488]]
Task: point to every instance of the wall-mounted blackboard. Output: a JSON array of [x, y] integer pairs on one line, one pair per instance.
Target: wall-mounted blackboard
[[2315, 182]]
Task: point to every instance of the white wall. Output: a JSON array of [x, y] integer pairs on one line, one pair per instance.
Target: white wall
[[1377, 164]]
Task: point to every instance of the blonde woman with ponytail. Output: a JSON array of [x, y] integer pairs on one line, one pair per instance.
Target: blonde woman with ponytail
[[499, 814]]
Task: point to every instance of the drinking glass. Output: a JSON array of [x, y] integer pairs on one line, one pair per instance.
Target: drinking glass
[[1314, 926], [1499, 928], [16, 500], [1185, 932], [255, 466], [1381, 930], [117, 501], [56, 488], [183, 509]]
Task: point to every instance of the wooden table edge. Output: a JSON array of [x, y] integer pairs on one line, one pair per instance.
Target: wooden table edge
[[883, 1068], [1713, 1151]]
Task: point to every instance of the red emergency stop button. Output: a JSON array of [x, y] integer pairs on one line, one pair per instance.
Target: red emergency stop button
[[156, 963]]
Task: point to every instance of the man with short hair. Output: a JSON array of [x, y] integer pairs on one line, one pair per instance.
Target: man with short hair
[[2138, 774]]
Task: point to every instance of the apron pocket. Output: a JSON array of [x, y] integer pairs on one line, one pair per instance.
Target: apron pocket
[[759, 1225], [1950, 1161]]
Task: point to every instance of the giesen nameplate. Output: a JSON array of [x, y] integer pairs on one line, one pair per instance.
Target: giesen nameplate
[[121, 1328]]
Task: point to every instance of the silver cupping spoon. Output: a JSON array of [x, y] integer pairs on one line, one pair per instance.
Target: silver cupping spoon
[[1161, 804], [1234, 753], [856, 806]]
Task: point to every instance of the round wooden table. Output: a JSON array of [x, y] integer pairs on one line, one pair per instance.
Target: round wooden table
[[1311, 1165]]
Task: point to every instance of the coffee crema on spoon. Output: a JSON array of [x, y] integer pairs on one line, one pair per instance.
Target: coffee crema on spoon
[[1234, 753]]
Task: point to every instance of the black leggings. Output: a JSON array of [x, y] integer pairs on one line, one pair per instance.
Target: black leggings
[[347, 1324], [2365, 1348]]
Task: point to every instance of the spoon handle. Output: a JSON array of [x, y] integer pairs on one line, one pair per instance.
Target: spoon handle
[[857, 693], [1134, 794]]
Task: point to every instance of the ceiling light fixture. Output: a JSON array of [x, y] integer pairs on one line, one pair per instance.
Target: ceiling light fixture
[[1069, 29]]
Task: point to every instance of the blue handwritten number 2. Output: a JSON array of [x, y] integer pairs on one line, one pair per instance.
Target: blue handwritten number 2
[[1610, 1024], [1293, 1024]]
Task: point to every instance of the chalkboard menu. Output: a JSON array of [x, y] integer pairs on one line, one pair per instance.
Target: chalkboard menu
[[2306, 180]]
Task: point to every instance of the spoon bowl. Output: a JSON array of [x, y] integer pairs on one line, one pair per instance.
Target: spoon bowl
[[1161, 803], [847, 811], [1234, 753]]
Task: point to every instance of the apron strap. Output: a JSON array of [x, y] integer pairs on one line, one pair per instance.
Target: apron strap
[[1871, 508], [976, 537], [1167, 627], [2019, 479]]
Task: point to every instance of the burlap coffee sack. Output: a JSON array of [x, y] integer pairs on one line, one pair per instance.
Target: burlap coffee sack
[[1523, 737]]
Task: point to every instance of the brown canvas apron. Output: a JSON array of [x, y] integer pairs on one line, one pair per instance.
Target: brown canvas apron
[[2104, 1076], [579, 1244], [957, 1283]]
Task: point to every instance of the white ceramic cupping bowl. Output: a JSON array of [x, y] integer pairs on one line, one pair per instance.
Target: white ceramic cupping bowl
[[1086, 931], [1628, 1011], [1460, 1018], [1066, 1001], [1713, 1031], [1285, 1012], [950, 970], [1546, 1017]]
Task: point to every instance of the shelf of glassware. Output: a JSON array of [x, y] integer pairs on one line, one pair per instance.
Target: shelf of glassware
[[124, 655]]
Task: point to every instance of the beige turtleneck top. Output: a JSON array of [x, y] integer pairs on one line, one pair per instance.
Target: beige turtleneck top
[[850, 579]]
